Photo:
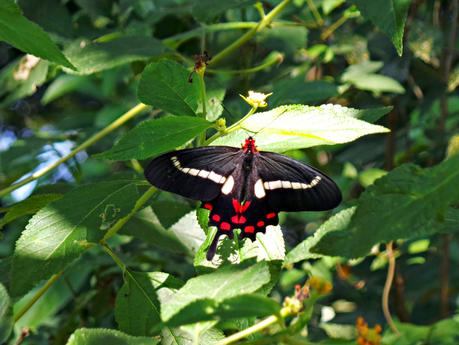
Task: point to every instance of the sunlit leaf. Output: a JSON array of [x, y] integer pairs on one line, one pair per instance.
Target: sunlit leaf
[[6, 315], [97, 336]]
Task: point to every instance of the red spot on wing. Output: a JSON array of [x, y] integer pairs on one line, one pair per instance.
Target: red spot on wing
[[249, 228], [216, 217], [208, 206], [225, 226], [260, 223], [270, 215], [240, 208], [238, 219]]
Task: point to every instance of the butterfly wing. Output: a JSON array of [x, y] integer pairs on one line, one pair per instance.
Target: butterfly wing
[[196, 173], [294, 186]]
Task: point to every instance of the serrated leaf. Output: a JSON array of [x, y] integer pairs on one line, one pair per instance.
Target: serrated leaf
[[298, 126], [179, 336], [27, 36], [52, 238], [189, 232], [156, 136], [165, 85], [388, 15], [302, 251], [93, 56], [97, 336], [6, 315], [408, 202], [29, 206], [138, 296], [198, 299]]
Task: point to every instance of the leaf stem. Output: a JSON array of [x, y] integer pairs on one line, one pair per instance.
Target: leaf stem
[[387, 287], [96, 137], [333, 27], [315, 12], [121, 222], [270, 320], [202, 88], [37, 296], [272, 59], [265, 21]]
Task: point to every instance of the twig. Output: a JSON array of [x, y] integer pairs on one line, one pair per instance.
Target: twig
[[444, 276], [387, 287]]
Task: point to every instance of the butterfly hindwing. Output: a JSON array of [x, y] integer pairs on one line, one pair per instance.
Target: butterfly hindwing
[[197, 173], [294, 186]]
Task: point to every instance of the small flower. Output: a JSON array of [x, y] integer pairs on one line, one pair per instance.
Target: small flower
[[366, 335], [257, 99], [321, 286]]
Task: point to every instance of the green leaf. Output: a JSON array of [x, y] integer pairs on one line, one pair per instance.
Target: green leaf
[[155, 136], [6, 315], [408, 202], [97, 336], [388, 15], [65, 84], [138, 296], [369, 176], [199, 298], [29, 206], [55, 236], [180, 336], [94, 56], [165, 85], [302, 251], [189, 232], [170, 209], [299, 126], [299, 91], [362, 76], [208, 10], [146, 227], [27, 36]]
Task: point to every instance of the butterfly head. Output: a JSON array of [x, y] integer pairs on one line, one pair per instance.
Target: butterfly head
[[249, 145]]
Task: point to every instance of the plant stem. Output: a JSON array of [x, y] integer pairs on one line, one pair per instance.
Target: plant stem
[[270, 320], [332, 28], [96, 137], [230, 129], [269, 61], [387, 287], [37, 296], [265, 21], [138, 205], [202, 87], [315, 12]]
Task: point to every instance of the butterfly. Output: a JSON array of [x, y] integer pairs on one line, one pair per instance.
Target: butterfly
[[243, 188]]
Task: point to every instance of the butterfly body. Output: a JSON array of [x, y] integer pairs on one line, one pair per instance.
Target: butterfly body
[[242, 188]]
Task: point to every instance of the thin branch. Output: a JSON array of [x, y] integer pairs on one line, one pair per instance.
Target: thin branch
[[387, 287], [96, 137]]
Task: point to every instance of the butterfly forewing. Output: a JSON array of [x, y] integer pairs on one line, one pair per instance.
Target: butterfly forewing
[[194, 173], [294, 186]]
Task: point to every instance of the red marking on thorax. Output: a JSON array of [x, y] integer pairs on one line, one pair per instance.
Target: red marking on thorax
[[240, 208], [249, 145]]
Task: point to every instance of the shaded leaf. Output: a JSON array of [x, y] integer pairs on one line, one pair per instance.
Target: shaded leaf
[[300, 91], [208, 10], [178, 336], [302, 251], [97, 336], [197, 299], [91, 57], [407, 202], [388, 15], [138, 296], [6, 315], [29, 206], [27, 36], [53, 237], [298, 126], [156, 136], [189, 232], [165, 85]]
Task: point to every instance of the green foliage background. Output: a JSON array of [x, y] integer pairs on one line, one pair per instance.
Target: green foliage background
[[91, 90]]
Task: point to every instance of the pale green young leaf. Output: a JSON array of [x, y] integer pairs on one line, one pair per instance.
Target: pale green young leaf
[[6, 315], [156, 136], [408, 202], [165, 85], [94, 56], [27, 36], [55, 236], [97, 336], [388, 15], [298, 126], [200, 293]]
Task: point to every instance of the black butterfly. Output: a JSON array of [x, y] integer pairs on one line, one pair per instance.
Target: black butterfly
[[243, 188]]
